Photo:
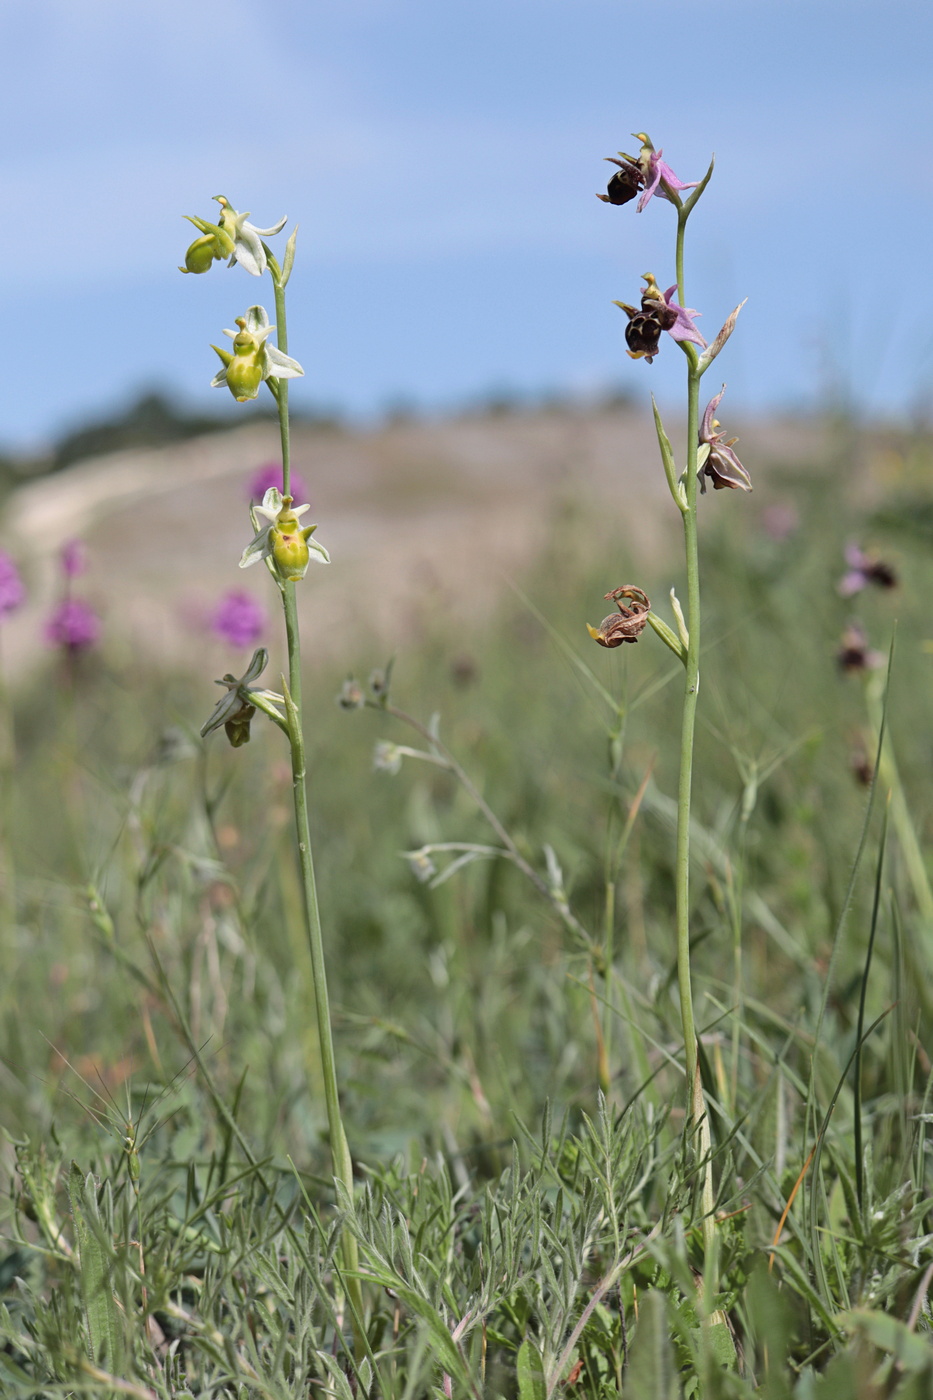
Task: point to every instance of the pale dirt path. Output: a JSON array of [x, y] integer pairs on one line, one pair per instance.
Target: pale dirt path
[[415, 515]]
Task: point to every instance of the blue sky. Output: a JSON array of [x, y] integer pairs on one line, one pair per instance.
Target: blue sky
[[441, 157]]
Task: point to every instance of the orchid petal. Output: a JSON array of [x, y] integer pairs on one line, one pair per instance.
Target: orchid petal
[[249, 251], [706, 427], [279, 366], [260, 547], [268, 232], [316, 548], [257, 319], [649, 191]]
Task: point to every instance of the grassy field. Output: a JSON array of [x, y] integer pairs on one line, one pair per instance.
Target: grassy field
[[527, 1205]]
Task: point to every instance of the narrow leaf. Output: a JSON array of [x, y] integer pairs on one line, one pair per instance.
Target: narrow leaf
[[667, 457], [289, 259], [105, 1339]]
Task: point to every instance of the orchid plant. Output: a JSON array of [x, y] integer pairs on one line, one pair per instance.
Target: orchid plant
[[287, 548], [709, 456]]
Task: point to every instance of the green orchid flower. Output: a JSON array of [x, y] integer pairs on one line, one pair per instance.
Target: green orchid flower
[[252, 359], [232, 237], [283, 542]]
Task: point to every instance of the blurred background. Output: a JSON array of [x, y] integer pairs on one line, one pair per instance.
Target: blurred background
[[442, 162]]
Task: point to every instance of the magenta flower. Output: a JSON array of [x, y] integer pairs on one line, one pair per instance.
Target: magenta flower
[[73, 625], [73, 558], [239, 619], [271, 475], [12, 589], [722, 465], [863, 570]]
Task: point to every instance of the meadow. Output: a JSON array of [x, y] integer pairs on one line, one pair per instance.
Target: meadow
[[527, 1201]]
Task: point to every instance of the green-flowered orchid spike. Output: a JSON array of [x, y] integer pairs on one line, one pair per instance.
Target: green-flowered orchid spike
[[283, 542], [246, 239], [252, 360], [234, 711]]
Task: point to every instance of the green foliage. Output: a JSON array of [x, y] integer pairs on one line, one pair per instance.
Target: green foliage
[[154, 1012]]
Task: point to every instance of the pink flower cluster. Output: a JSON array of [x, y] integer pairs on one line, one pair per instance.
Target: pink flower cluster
[[73, 625]]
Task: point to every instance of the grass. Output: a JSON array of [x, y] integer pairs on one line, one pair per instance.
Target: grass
[[526, 1211]]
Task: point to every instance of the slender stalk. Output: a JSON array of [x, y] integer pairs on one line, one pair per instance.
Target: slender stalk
[[340, 1150], [696, 1110], [688, 728]]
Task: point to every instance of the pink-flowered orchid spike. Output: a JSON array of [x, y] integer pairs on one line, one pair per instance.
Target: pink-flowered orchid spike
[[865, 569], [659, 312], [720, 463], [658, 176]]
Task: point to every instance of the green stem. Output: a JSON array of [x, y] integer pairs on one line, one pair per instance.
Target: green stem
[[696, 1106], [340, 1150], [281, 397], [682, 216], [688, 728]]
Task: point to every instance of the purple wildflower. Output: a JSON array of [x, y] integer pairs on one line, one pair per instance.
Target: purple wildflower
[[863, 570], [73, 625], [683, 327], [73, 558], [239, 619], [12, 589], [271, 475], [655, 171], [722, 465]]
